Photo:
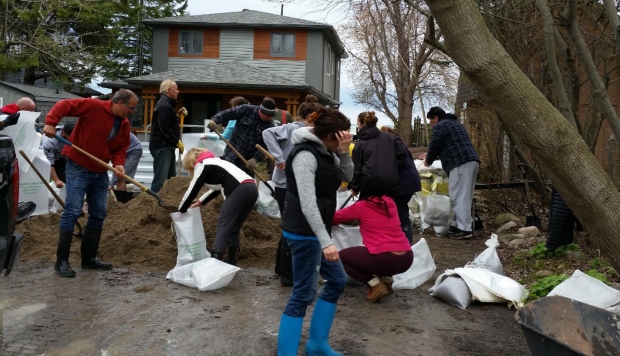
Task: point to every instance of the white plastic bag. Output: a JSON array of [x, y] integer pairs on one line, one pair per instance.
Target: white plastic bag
[[55, 206], [487, 286], [345, 236], [488, 258], [190, 236], [420, 271], [342, 197], [206, 274], [212, 274], [437, 213], [586, 289], [267, 205]]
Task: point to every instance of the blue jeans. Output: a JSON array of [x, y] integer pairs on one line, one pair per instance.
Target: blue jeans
[[81, 181], [131, 165], [308, 263], [163, 166]]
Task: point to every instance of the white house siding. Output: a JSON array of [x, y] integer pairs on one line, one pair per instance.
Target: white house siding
[[236, 45], [295, 70]]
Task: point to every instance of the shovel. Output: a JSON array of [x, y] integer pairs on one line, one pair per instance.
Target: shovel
[[245, 162], [58, 198], [530, 220], [141, 186]]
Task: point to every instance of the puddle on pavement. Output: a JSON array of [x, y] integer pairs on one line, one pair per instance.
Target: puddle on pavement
[[11, 317]]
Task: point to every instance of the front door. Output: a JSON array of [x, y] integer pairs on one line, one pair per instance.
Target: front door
[[200, 107]]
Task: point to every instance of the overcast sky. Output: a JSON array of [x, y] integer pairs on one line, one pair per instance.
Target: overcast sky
[[307, 10]]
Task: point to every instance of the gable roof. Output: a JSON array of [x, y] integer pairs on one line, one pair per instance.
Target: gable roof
[[250, 18], [40, 93], [225, 74]]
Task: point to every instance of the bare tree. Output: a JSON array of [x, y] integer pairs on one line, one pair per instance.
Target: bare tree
[[527, 112], [390, 60]]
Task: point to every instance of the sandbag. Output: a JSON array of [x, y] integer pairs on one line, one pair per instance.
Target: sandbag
[[345, 236], [421, 269], [342, 198], [437, 213], [452, 289], [586, 289], [206, 274], [487, 286], [488, 258], [190, 236], [266, 203]]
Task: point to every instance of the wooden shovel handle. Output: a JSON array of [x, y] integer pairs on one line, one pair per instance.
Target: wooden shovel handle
[[265, 152], [58, 199]]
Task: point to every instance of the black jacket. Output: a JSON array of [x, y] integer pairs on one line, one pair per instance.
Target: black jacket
[[376, 153], [165, 130], [326, 184]]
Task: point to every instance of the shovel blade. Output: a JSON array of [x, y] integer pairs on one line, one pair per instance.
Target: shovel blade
[[533, 221]]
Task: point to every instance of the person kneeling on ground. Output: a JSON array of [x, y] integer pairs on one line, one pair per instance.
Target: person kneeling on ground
[[386, 251], [238, 190]]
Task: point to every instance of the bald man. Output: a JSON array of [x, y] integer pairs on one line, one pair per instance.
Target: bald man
[[25, 104]]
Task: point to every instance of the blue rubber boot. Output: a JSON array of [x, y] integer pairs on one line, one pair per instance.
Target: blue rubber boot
[[289, 335], [321, 324]]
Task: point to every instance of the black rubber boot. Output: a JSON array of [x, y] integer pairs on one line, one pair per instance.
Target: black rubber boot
[[62, 254], [233, 251], [218, 256], [90, 245]]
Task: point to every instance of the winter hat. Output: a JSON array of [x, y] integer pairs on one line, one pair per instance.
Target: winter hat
[[268, 107]]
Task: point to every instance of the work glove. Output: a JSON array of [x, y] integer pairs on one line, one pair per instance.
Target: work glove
[[11, 119], [180, 146], [212, 125], [252, 164]]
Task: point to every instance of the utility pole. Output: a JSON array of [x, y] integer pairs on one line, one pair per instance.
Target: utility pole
[[281, 9]]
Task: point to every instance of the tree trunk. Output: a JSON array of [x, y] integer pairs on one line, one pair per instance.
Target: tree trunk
[[582, 182]]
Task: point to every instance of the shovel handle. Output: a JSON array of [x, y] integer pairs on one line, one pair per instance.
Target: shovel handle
[[266, 153], [58, 199], [104, 164], [243, 160]]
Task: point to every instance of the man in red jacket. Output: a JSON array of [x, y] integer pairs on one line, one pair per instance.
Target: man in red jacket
[[25, 104], [102, 130]]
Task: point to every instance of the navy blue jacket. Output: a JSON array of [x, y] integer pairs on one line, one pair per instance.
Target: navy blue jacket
[[450, 143]]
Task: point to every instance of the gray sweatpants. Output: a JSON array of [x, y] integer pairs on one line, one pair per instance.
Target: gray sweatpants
[[462, 181], [235, 210]]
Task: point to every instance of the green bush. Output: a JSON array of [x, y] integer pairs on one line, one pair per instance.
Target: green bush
[[543, 286]]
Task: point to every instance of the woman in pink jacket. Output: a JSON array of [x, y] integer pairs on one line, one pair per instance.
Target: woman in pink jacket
[[386, 251]]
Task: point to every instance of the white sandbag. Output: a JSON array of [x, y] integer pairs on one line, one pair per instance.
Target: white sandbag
[[190, 236], [437, 213], [342, 198], [266, 204], [213, 143], [345, 236], [487, 286], [421, 269], [452, 289], [586, 289], [62, 194], [182, 275], [435, 167], [212, 274], [488, 258]]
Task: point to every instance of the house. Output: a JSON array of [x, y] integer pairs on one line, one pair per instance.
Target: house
[[215, 57], [43, 97]]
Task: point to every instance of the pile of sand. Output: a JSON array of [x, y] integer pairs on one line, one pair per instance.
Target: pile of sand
[[138, 233]]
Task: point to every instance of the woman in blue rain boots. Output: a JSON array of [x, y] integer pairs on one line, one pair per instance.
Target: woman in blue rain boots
[[314, 169]]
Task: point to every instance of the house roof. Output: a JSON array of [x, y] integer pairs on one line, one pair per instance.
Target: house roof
[[225, 74], [40, 93], [250, 18], [119, 84]]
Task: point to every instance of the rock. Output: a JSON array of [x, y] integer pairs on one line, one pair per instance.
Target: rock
[[529, 231], [509, 237], [540, 239], [577, 255], [544, 273], [516, 243], [501, 219], [507, 226]]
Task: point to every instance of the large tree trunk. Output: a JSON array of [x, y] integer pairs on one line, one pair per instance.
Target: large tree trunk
[[580, 180]]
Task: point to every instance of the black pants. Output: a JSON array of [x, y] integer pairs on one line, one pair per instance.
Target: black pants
[[284, 258]]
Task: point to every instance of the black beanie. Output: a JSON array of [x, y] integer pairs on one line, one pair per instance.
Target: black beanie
[[268, 107], [68, 128]]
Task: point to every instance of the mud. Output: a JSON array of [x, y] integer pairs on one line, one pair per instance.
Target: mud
[[133, 310]]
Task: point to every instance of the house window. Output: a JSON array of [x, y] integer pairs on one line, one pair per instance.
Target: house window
[[330, 64], [190, 42], [282, 45], [338, 69]]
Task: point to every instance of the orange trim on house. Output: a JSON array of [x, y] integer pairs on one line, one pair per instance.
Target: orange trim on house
[[262, 44], [210, 43]]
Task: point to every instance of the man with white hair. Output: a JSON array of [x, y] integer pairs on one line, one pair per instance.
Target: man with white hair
[[165, 135]]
